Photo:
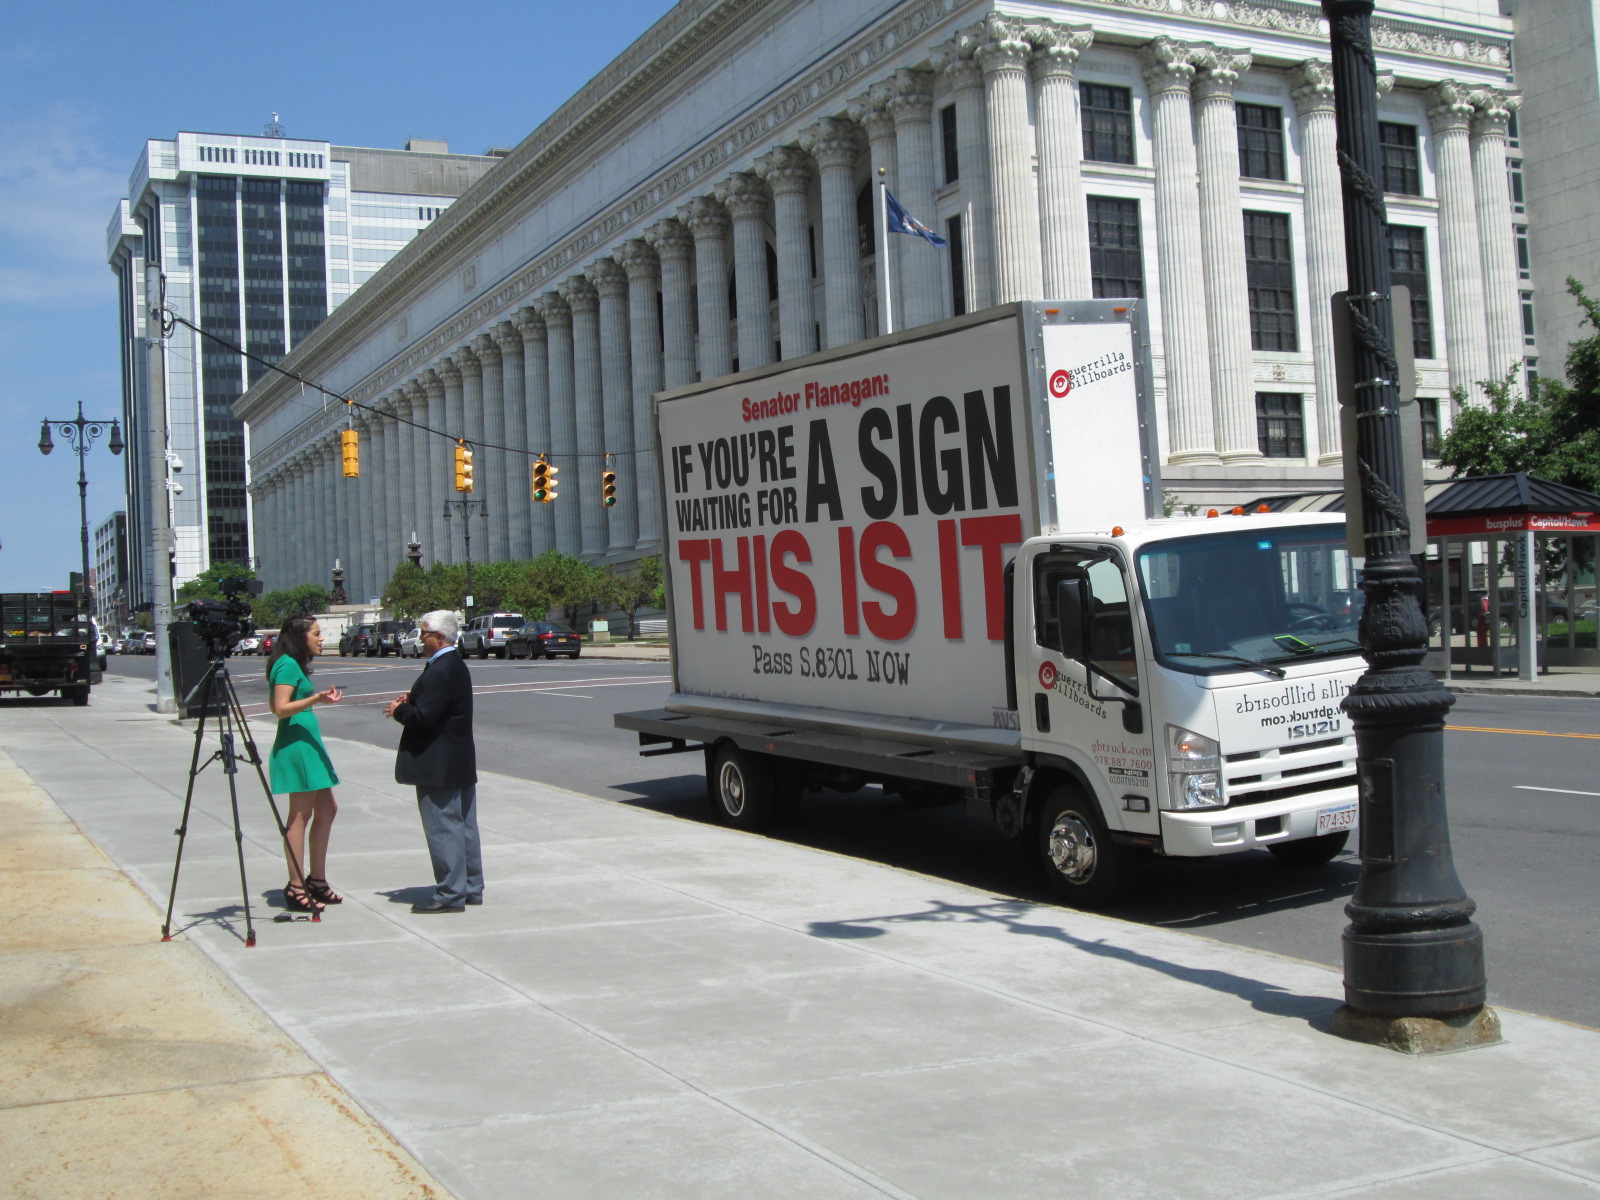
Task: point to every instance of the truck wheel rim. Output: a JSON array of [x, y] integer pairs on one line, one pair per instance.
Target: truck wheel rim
[[1072, 847], [732, 787]]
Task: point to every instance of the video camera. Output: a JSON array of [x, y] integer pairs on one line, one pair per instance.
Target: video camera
[[222, 623]]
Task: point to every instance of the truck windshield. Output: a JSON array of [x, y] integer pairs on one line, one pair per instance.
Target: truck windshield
[[1267, 597]]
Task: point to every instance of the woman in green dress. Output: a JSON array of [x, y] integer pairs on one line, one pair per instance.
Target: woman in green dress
[[299, 764]]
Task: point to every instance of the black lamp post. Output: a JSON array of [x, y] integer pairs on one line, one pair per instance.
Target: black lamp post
[[466, 509], [1413, 959], [80, 434]]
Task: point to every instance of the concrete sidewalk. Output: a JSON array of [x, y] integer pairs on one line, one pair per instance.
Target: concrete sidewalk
[[647, 1007]]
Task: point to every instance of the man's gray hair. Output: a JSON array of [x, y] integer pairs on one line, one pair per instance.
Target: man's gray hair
[[442, 621]]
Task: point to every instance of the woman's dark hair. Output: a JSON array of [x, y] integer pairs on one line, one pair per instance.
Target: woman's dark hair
[[293, 640]]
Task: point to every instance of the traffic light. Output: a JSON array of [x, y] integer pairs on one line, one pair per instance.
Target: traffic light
[[608, 488], [350, 448], [463, 468], [544, 481]]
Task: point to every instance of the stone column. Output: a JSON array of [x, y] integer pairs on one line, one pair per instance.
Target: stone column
[[563, 421], [291, 507], [518, 479], [536, 389], [1233, 400], [491, 464], [747, 201], [835, 145], [349, 527], [708, 222], [418, 513], [437, 453], [1191, 430], [388, 514], [455, 426], [367, 498], [322, 527], [643, 269], [871, 112], [1312, 84], [621, 524], [1003, 53], [405, 483], [921, 295], [788, 173], [589, 400], [1466, 327], [1063, 213], [675, 248], [955, 59], [1492, 109]]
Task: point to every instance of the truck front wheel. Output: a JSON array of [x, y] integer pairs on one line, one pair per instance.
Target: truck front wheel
[[1085, 867], [1311, 851], [741, 789], [79, 695]]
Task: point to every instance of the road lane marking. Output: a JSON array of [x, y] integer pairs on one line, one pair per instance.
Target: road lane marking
[[1528, 787], [1527, 732]]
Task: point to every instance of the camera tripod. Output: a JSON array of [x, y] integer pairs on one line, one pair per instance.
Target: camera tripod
[[231, 724]]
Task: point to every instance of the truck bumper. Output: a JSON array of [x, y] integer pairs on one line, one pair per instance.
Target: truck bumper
[[1248, 826]]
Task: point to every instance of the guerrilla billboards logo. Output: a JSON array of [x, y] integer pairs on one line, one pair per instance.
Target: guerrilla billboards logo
[[1307, 708], [1052, 680], [1060, 383], [1063, 381]]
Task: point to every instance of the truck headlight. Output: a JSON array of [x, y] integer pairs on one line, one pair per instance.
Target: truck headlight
[[1194, 770]]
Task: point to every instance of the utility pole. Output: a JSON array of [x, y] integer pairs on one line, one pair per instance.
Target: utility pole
[[1413, 958], [159, 495]]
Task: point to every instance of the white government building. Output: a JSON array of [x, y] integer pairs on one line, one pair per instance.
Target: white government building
[[704, 205]]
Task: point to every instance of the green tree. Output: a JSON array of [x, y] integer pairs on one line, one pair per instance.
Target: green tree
[[639, 585], [408, 592], [274, 608], [571, 583], [208, 584]]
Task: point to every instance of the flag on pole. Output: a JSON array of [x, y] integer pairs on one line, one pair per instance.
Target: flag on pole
[[898, 220]]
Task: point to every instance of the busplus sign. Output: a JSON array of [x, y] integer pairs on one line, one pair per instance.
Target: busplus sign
[[839, 537]]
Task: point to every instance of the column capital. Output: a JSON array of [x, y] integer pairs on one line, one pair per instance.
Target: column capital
[[487, 350], [1449, 108], [639, 259], [433, 382], [609, 279], [418, 391], [744, 195], [955, 60], [1219, 69], [786, 169], [553, 308], [1056, 48], [507, 338], [529, 324], [449, 371], [870, 110], [1166, 65], [832, 142], [1492, 109], [1002, 44], [705, 218], [579, 294], [400, 402], [1311, 84], [467, 361], [910, 96], [672, 241]]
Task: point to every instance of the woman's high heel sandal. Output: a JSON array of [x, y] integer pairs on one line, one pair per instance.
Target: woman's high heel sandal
[[295, 899], [321, 892]]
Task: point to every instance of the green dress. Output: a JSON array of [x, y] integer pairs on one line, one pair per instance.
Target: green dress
[[299, 762]]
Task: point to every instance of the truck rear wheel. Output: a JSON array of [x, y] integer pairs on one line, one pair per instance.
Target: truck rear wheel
[[741, 789], [79, 695], [1311, 851], [1086, 868]]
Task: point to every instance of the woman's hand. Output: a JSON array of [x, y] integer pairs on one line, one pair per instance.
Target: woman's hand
[[332, 696]]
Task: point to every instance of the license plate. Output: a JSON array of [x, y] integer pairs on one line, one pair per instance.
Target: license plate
[[1335, 820]]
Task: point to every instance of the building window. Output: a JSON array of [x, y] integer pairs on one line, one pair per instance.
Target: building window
[[1260, 141], [958, 266], [1513, 131], [1530, 368], [811, 248], [1428, 410], [1408, 266], [1401, 174], [1527, 317], [1514, 181], [1116, 261], [1269, 271], [1107, 123], [1280, 425], [1524, 259], [947, 139]]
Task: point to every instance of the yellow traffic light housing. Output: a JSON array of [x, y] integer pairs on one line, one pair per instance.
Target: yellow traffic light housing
[[543, 481], [463, 467], [608, 488], [350, 450]]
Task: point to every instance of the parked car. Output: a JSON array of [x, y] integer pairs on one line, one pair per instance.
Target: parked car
[[541, 639], [1546, 609], [145, 643], [411, 642], [248, 645], [359, 639], [268, 636], [486, 634], [388, 638]]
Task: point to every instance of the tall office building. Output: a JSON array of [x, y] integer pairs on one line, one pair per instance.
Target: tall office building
[[111, 571], [259, 238]]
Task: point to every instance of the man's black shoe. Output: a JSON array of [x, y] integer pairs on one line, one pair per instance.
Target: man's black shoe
[[432, 907], [474, 899]]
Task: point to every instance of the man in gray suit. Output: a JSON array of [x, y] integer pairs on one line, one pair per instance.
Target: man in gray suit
[[438, 756]]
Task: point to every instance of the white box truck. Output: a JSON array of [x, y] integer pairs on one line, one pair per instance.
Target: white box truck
[[936, 561]]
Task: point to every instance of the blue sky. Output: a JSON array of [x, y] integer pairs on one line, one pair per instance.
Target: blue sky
[[78, 100]]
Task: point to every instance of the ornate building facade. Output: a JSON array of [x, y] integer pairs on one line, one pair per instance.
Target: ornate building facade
[[705, 205]]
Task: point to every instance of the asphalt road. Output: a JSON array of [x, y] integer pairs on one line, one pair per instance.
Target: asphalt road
[[1524, 802]]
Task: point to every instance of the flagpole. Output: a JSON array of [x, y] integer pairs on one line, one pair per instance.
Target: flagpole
[[883, 251]]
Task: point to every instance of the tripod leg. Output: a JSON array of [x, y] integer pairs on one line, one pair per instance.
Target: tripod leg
[[188, 801]]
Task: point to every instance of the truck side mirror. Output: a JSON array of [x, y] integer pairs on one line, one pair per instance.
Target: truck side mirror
[[1072, 616]]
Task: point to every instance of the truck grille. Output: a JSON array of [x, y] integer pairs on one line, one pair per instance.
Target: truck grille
[[1258, 776]]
